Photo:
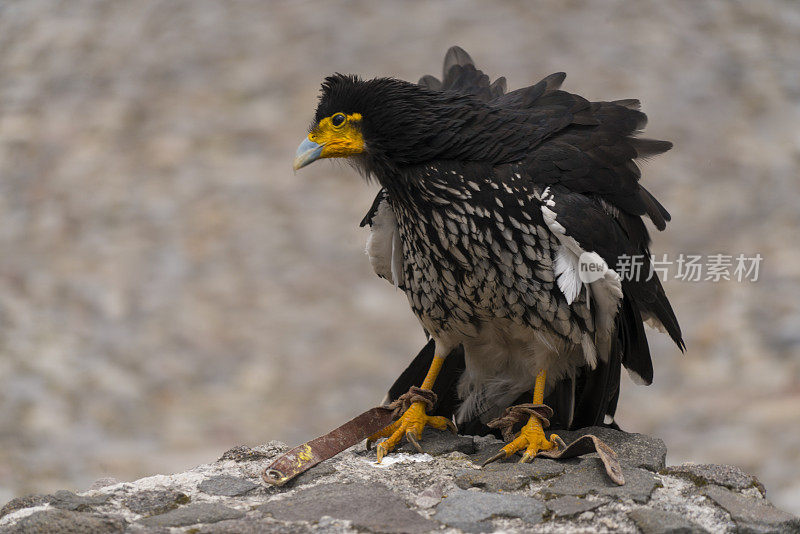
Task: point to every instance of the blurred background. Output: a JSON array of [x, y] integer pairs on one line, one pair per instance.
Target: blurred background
[[170, 289]]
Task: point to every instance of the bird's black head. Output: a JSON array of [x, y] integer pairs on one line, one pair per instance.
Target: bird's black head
[[390, 124]]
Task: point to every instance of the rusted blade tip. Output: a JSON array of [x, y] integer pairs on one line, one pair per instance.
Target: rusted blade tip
[[274, 477]]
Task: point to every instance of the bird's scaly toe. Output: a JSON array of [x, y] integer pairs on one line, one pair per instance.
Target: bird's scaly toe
[[410, 426], [532, 443], [531, 437]]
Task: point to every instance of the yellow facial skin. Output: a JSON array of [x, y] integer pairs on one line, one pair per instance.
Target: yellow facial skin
[[337, 136], [339, 141]]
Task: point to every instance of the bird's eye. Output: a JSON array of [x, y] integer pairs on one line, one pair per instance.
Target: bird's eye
[[337, 120]]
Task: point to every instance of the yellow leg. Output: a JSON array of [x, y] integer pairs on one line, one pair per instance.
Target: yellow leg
[[531, 436], [413, 420]]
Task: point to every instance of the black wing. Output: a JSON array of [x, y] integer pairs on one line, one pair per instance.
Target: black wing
[[617, 236]]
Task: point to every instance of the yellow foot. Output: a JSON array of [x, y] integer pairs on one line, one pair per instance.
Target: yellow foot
[[532, 439], [409, 425]]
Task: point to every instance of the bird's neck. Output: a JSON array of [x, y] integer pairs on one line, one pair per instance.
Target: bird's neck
[[410, 186]]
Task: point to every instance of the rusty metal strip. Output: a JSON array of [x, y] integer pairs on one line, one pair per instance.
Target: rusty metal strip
[[585, 445], [307, 455]]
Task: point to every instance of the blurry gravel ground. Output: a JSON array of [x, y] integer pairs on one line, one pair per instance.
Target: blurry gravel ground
[[168, 287]]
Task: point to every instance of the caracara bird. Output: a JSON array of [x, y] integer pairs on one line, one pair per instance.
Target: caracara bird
[[504, 216]]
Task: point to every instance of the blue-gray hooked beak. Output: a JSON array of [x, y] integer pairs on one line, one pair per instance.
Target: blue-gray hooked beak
[[307, 152]]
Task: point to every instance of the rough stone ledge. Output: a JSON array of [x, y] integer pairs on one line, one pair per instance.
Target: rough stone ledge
[[416, 493]]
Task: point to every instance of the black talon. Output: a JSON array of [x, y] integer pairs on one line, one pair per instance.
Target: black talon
[[499, 456], [413, 440], [451, 426]]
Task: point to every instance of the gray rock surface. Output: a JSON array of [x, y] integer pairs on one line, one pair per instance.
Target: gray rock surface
[[752, 515], [471, 511], [58, 521], [227, 485], [509, 476], [568, 505], [27, 501], [67, 500], [368, 506], [192, 514], [417, 493], [155, 502], [728, 476], [651, 521], [589, 477], [312, 474]]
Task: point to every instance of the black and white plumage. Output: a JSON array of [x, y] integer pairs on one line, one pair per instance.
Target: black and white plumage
[[489, 202]]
